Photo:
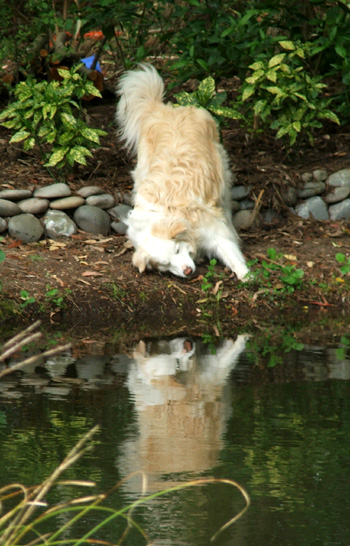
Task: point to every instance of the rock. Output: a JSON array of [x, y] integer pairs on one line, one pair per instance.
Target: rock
[[247, 204], [320, 175], [104, 201], [15, 195], [306, 177], [26, 228], [92, 220], [339, 193], [8, 208], [34, 205], [57, 190], [340, 210], [235, 206], [315, 206], [67, 203], [340, 178], [244, 219], [119, 227], [289, 196], [311, 189], [3, 225], [87, 191], [240, 192], [120, 212], [58, 224], [270, 216], [127, 199]]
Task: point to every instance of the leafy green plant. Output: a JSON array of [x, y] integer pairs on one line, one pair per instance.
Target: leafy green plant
[[53, 295], [26, 299], [273, 346], [341, 352], [48, 115], [345, 261], [283, 96], [207, 97], [275, 276]]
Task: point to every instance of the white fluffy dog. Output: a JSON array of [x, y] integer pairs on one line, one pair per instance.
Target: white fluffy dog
[[182, 181]]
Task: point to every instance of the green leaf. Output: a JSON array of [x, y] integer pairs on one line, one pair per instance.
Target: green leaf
[[90, 134], [271, 75], [226, 112], [259, 106], [29, 144], [277, 59], [78, 154], [287, 44], [327, 114], [255, 77], [69, 120], [206, 90], [9, 124], [258, 65], [248, 91], [297, 126], [186, 99], [21, 135], [56, 157]]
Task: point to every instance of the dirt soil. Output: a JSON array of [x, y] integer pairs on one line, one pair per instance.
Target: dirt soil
[[88, 282]]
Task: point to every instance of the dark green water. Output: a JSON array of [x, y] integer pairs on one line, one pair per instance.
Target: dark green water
[[178, 413]]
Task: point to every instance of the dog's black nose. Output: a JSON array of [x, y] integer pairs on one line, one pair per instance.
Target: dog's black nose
[[188, 271]]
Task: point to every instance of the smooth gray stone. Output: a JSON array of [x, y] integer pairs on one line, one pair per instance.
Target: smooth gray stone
[[269, 216], [339, 193], [87, 191], [26, 228], [243, 219], [34, 205], [67, 203], [53, 191], [289, 196], [127, 199], [92, 220], [340, 211], [320, 175], [8, 208], [311, 189], [3, 225], [240, 192], [315, 206], [235, 206], [306, 177], [340, 178], [120, 212], [15, 195], [119, 227], [104, 201], [247, 204], [58, 224]]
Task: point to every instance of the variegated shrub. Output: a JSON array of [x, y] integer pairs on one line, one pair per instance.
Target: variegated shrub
[[48, 115]]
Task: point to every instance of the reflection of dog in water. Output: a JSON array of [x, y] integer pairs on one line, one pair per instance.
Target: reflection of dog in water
[[178, 391]]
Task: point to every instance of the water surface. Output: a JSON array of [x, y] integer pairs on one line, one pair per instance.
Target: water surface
[[176, 411]]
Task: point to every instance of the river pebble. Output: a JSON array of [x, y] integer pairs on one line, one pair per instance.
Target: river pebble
[[340, 211], [340, 178], [315, 206], [87, 191], [103, 201], [58, 224], [92, 219], [34, 205], [311, 189], [67, 203], [8, 208], [26, 228], [53, 191], [15, 195], [3, 225], [339, 193]]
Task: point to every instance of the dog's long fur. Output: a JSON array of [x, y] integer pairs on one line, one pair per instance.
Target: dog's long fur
[[181, 182]]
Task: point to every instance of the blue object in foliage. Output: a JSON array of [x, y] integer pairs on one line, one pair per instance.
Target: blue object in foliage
[[88, 62]]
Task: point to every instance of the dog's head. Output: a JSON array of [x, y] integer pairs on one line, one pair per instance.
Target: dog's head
[[165, 247]]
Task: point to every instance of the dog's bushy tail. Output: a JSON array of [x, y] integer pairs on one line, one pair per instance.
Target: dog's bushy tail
[[138, 91]]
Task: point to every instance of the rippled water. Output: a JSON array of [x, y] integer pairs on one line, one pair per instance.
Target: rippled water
[[177, 411]]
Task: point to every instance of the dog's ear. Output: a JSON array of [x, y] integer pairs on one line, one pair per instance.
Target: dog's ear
[[139, 260], [168, 230]]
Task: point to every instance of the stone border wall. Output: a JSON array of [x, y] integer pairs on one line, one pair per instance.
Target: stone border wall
[[52, 211]]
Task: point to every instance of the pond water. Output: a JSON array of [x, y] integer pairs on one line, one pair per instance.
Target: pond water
[[180, 409]]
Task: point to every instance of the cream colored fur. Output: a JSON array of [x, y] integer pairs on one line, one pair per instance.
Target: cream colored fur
[[181, 182]]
